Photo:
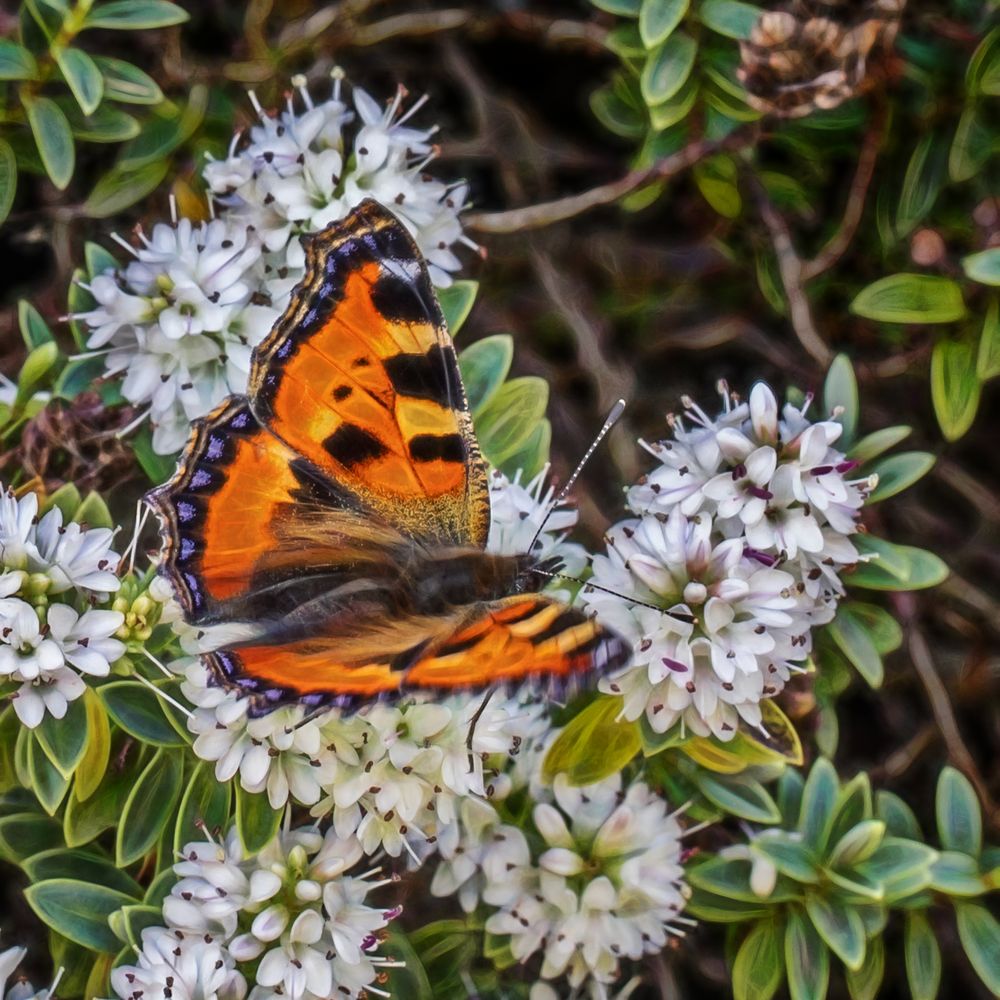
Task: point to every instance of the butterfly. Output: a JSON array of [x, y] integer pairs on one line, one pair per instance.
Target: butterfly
[[337, 514]]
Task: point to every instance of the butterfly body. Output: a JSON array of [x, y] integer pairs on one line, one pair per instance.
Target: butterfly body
[[339, 512]]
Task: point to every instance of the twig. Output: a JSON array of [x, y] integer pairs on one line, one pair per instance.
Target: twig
[[410, 25], [790, 268], [853, 211], [900, 761], [548, 212], [944, 713]]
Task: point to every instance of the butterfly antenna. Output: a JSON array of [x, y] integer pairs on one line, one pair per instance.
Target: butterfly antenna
[[612, 418]]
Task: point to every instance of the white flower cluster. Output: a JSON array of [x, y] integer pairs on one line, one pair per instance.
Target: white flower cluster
[[22, 989], [736, 549], [392, 775], [48, 572], [179, 322], [605, 885], [298, 171], [290, 919]]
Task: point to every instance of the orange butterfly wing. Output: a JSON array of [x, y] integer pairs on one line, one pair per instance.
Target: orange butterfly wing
[[360, 377]]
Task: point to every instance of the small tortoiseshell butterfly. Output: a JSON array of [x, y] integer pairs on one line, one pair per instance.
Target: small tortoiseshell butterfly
[[340, 509]]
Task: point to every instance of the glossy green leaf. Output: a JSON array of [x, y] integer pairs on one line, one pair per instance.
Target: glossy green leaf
[[729, 877], [658, 18], [83, 77], [790, 855], [77, 910], [899, 472], [159, 468], [864, 983], [840, 393], [256, 821], [23, 834], [759, 967], [53, 138], [807, 959], [457, 301], [8, 179], [149, 807], [857, 844], [34, 369], [911, 298], [973, 144], [618, 114], [739, 796], [484, 366], [505, 423], [65, 740], [47, 783], [854, 641], [729, 17], [896, 858], [983, 267], [957, 874], [623, 8], [16, 62], [34, 330], [988, 358], [899, 567], [959, 818], [85, 865], [954, 386], [593, 744], [165, 131], [878, 442], [140, 712], [127, 83], [923, 957], [97, 752], [106, 124], [668, 68], [979, 933], [97, 259], [925, 174], [119, 188], [717, 909], [819, 801], [885, 632], [839, 926], [204, 806], [897, 816], [131, 15]]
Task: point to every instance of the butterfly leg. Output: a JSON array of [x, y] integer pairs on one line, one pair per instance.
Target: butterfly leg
[[472, 728]]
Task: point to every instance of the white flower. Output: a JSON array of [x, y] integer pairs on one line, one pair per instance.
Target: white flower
[[22, 989], [606, 885], [735, 558], [300, 170], [178, 965], [179, 321]]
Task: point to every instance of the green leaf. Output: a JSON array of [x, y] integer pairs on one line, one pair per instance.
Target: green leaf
[[716, 180], [988, 359], [864, 983], [256, 821], [897, 816], [34, 329], [897, 858], [127, 83], [819, 801], [718, 909], [506, 422], [531, 457], [657, 18], [165, 131], [135, 919], [729, 17], [973, 145], [899, 472], [66, 498], [759, 966], [924, 177], [484, 366], [64, 740], [456, 302], [25, 833], [957, 875], [979, 933], [873, 445], [729, 877], [807, 960], [840, 391], [411, 978], [16, 62], [593, 744], [84, 78], [668, 68], [149, 807], [130, 15], [140, 712], [911, 298], [77, 910], [97, 752], [47, 783], [36, 366], [93, 511], [624, 8], [106, 124], [205, 806], [159, 468], [984, 266], [625, 41], [884, 630], [854, 641], [954, 386], [119, 188], [665, 116], [53, 138], [789, 855], [840, 927], [959, 819], [739, 796], [900, 567], [923, 957], [858, 844], [97, 259], [8, 179], [87, 866]]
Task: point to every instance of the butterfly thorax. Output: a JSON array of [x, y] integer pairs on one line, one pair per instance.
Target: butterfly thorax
[[443, 579]]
